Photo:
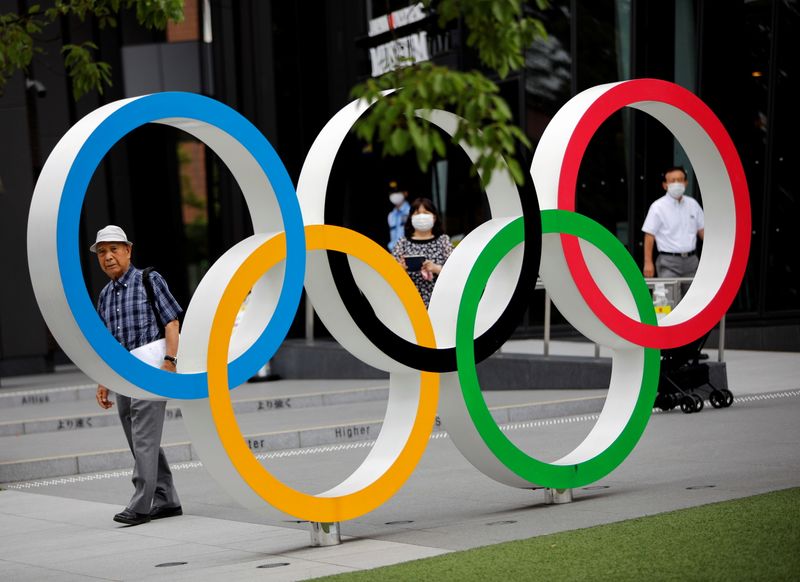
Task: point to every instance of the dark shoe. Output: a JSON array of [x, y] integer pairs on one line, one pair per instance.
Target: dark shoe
[[162, 512], [131, 517]]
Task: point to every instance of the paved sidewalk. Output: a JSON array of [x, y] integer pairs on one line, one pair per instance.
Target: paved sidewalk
[[50, 538], [61, 528], [50, 426], [749, 371]]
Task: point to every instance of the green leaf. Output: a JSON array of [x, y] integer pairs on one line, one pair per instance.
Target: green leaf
[[516, 171], [438, 144], [400, 141], [86, 73], [417, 135], [437, 81], [497, 10], [502, 107]]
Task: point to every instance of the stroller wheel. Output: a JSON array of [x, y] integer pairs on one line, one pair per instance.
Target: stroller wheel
[[687, 405], [673, 401], [664, 402], [728, 395], [698, 401], [717, 399]]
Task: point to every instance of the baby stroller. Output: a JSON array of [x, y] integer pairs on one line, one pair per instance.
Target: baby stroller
[[684, 380]]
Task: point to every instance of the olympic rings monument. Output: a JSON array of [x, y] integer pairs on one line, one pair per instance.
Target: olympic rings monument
[[430, 355]]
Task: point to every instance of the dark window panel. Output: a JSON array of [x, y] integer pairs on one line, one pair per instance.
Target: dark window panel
[[783, 260]]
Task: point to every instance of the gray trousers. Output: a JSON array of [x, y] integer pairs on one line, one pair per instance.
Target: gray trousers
[[668, 266], [143, 423]]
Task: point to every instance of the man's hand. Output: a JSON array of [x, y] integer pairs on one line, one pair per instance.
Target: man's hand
[[649, 270], [102, 397], [168, 366]]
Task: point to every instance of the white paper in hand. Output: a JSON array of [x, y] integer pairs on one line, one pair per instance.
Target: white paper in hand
[[152, 353]]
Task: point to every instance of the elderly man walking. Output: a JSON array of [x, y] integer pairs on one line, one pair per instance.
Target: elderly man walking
[[136, 317]]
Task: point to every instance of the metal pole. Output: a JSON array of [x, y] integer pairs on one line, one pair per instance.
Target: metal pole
[[557, 496], [325, 534], [721, 342], [309, 320], [546, 323]]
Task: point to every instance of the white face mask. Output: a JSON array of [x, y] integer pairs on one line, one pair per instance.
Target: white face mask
[[676, 189], [396, 198], [422, 222]]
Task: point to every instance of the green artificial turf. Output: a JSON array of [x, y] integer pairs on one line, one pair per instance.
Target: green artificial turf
[[756, 538]]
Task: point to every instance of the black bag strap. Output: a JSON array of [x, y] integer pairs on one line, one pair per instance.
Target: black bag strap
[[151, 298]]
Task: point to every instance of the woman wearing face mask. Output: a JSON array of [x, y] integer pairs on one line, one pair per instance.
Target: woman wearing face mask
[[424, 248]]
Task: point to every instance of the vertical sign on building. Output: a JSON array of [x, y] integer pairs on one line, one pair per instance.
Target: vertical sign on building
[[398, 52]]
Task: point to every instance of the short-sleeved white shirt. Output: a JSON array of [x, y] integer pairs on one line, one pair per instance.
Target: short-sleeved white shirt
[[674, 224]]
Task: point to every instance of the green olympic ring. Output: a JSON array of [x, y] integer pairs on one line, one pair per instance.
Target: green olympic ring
[[554, 475]]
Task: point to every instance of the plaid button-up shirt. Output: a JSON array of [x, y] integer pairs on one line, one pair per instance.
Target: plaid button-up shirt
[[125, 311]]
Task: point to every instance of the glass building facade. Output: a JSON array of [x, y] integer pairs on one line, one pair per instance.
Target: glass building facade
[[289, 66]]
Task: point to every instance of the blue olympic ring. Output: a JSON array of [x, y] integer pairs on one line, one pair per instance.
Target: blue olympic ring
[[127, 118]]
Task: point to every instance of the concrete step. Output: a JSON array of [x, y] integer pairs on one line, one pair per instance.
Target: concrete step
[[49, 390], [505, 370], [52, 415], [31, 398], [62, 375], [93, 449]]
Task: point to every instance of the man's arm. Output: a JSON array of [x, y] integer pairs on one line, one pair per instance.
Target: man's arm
[[652, 225], [102, 391], [171, 337], [701, 222], [649, 268]]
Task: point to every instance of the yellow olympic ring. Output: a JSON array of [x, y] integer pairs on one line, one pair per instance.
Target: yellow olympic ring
[[312, 507]]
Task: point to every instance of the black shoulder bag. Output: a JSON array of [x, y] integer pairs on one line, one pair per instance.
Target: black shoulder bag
[[151, 299]]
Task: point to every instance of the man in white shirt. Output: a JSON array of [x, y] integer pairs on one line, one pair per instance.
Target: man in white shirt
[[673, 224]]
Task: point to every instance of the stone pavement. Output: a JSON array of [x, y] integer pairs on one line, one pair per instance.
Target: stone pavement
[[61, 527], [50, 538]]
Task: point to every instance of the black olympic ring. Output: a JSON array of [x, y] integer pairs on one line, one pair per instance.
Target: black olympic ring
[[424, 358]]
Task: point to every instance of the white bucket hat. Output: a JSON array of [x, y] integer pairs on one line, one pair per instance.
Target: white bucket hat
[[110, 233]]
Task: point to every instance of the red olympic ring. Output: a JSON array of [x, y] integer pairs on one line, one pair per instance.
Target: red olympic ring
[[630, 93]]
